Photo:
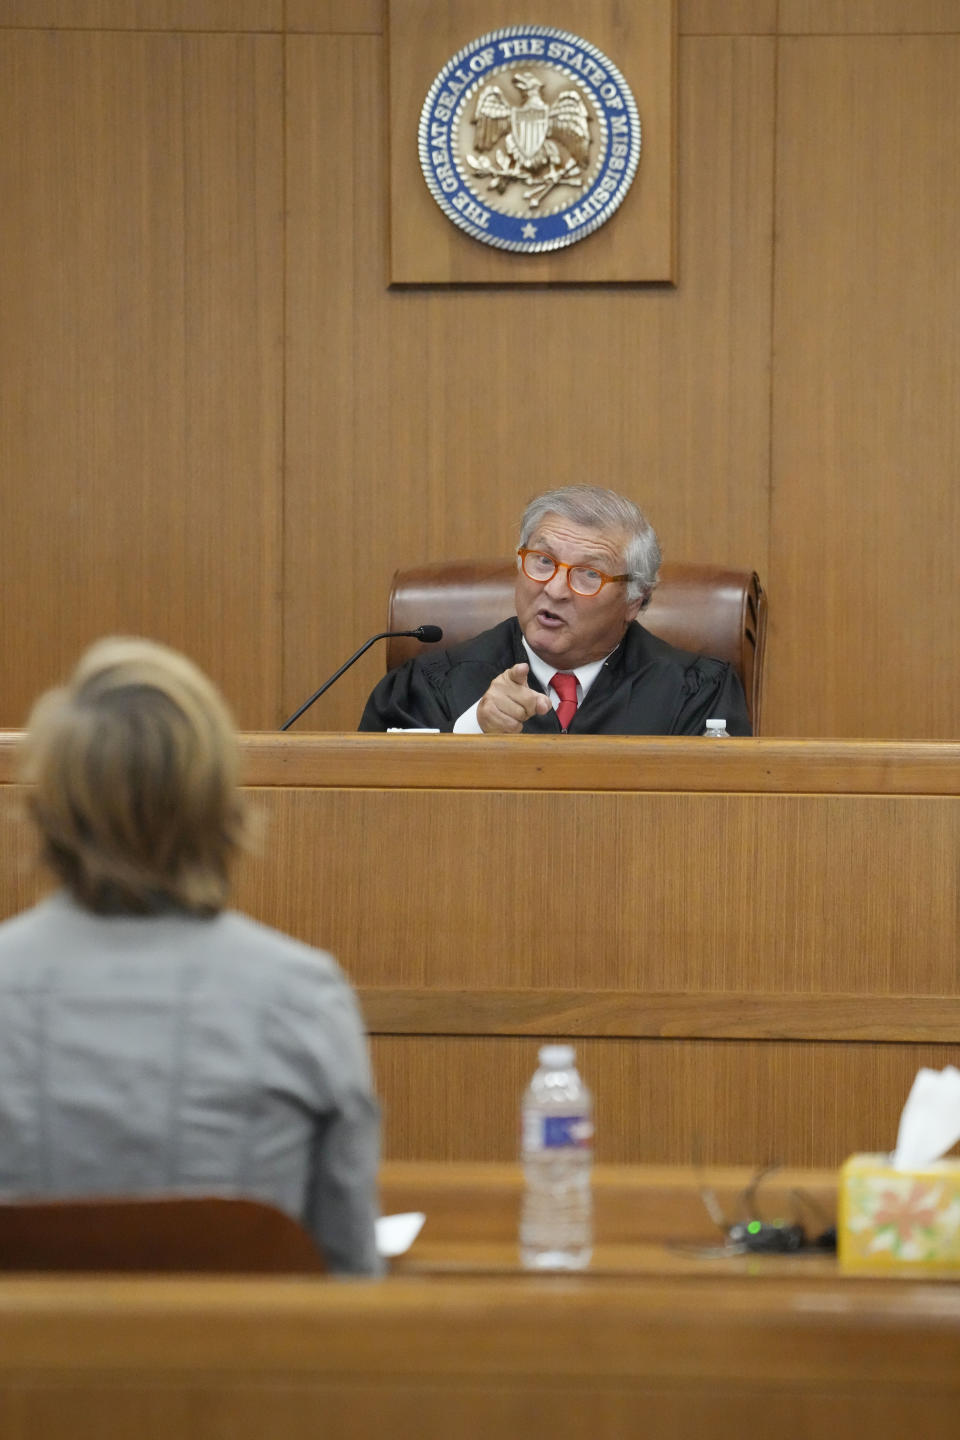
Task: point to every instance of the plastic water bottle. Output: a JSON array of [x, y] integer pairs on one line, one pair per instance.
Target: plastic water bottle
[[716, 730], [556, 1149]]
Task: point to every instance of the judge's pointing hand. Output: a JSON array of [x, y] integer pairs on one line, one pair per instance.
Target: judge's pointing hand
[[509, 701]]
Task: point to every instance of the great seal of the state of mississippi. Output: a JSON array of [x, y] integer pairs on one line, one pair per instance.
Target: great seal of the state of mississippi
[[529, 138]]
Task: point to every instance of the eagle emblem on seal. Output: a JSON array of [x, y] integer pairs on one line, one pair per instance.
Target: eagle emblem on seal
[[543, 145]]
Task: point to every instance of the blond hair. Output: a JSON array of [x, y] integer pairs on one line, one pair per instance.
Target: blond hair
[[133, 768]]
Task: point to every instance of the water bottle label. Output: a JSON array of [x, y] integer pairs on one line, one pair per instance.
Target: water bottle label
[[555, 1132]]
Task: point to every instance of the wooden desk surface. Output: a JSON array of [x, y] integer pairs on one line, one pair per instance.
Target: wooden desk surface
[[594, 762], [640, 1345], [648, 1220], [744, 940]]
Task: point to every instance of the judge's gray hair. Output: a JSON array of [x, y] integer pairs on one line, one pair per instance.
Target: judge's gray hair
[[604, 510]]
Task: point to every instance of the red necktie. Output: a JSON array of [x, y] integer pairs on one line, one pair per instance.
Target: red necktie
[[566, 688]]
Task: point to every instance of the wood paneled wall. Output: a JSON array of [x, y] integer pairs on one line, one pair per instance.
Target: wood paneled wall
[[220, 426], [141, 362]]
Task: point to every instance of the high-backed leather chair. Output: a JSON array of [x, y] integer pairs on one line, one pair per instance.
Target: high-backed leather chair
[[202, 1233], [703, 608]]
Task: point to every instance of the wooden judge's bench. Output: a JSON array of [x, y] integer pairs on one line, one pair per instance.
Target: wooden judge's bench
[[752, 943]]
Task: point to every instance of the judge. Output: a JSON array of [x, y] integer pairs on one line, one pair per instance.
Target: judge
[[575, 658]]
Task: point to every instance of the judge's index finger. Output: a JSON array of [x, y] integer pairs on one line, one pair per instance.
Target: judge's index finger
[[518, 673]]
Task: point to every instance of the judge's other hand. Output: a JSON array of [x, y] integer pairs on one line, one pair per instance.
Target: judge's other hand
[[509, 701]]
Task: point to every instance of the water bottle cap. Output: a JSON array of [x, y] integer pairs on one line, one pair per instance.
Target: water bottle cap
[[556, 1057], [716, 724]]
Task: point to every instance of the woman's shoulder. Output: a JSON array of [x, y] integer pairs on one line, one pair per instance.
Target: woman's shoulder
[[244, 938]]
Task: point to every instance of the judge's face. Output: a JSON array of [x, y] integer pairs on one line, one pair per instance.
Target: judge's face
[[566, 629]]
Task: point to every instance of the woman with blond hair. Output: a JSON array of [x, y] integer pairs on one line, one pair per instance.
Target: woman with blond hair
[[152, 1040]]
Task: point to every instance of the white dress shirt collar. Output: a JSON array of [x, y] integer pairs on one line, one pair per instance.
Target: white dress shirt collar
[[586, 674]]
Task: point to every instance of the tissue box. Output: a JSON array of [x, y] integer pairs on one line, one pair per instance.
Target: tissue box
[[888, 1220]]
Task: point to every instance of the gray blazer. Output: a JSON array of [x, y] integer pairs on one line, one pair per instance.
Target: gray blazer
[[174, 1054]]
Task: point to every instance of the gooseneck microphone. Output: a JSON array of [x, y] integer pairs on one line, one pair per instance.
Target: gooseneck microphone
[[428, 634]]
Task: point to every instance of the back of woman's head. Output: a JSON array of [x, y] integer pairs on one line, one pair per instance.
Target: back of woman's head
[[133, 768]]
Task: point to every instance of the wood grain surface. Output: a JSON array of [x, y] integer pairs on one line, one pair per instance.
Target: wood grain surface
[[140, 349], [543, 1357], [222, 426], [739, 966], [637, 244]]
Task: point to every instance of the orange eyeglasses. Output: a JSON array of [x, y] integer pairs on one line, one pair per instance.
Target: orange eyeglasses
[[582, 579]]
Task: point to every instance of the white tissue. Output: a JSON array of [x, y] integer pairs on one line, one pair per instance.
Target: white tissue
[[396, 1233], [930, 1120]]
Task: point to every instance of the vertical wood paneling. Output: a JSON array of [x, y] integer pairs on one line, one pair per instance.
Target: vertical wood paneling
[[799, 895], [143, 302], [727, 17], [140, 212], [233, 15], [334, 590], [344, 17], [656, 1101], [867, 390], [420, 421], [868, 17]]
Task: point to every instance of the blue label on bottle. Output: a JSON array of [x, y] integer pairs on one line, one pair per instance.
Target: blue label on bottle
[[561, 1131]]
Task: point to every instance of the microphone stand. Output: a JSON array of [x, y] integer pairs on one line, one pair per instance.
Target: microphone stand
[[417, 634]]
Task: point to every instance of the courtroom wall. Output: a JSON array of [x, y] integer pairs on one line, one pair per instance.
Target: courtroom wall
[[220, 426]]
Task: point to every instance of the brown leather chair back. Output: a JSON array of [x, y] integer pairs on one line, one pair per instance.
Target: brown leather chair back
[[213, 1234], [703, 608]]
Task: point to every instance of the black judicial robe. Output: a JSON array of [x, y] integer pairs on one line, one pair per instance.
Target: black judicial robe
[[645, 687]]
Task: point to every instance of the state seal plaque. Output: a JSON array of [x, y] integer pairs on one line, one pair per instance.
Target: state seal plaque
[[529, 138]]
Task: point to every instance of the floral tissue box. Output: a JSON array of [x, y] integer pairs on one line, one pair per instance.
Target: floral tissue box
[[892, 1219]]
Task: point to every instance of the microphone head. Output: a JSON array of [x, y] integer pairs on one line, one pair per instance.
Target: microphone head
[[429, 634]]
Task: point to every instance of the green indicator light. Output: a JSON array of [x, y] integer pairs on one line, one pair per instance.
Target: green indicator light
[[754, 1227]]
